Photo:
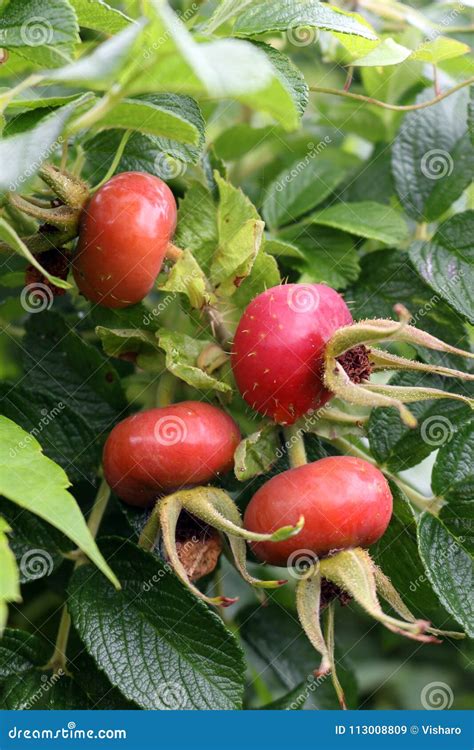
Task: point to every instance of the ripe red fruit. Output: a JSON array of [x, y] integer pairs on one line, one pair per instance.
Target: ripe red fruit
[[346, 502], [159, 451], [277, 354], [125, 230]]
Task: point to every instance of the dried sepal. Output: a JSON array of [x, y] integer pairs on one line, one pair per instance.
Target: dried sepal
[[215, 508], [388, 592], [354, 571], [308, 605], [368, 332], [169, 509]]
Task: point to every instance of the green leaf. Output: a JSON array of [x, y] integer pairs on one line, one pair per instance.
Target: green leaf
[[302, 186], [40, 691], [186, 277], [292, 80], [100, 16], [399, 447], [292, 701], [182, 354], [388, 52], [19, 652], [38, 548], [290, 14], [285, 653], [387, 278], [432, 157], [165, 157], [398, 556], [238, 140], [101, 68], [64, 434], [197, 224], [256, 453], [184, 663], [441, 48], [458, 517], [240, 233], [330, 256], [58, 362], [225, 11], [9, 579], [279, 248], [8, 235], [446, 262], [450, 569], [373, 221], [23, 154], [453, 476], [264, 274], [37, 484], [33, 23], [167, 115], [118, 342], [224, 68]]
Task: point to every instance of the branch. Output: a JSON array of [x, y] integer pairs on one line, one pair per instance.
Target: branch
[[386, 105]]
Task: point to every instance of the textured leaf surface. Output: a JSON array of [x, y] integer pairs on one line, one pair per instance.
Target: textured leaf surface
[[37, 484], [289, 14], [446, 262], [450, 568], [432, 157], [186, 661], [370, 220], [27, 23]]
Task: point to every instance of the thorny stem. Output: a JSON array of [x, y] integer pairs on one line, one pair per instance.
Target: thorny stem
[[431, 504], [295, 446], [58, 660], [394, 107]]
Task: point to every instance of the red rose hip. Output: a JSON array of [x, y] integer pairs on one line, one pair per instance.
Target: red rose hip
[[159, 451], [346, 502], [278, 349], [125, 230]]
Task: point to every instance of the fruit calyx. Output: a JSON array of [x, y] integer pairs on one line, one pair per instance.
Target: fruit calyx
[[356, 363], [369, 332], [215, 508]]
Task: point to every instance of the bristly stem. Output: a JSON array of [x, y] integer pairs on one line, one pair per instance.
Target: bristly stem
[[58, 660], [386, 105], [294, 437]]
